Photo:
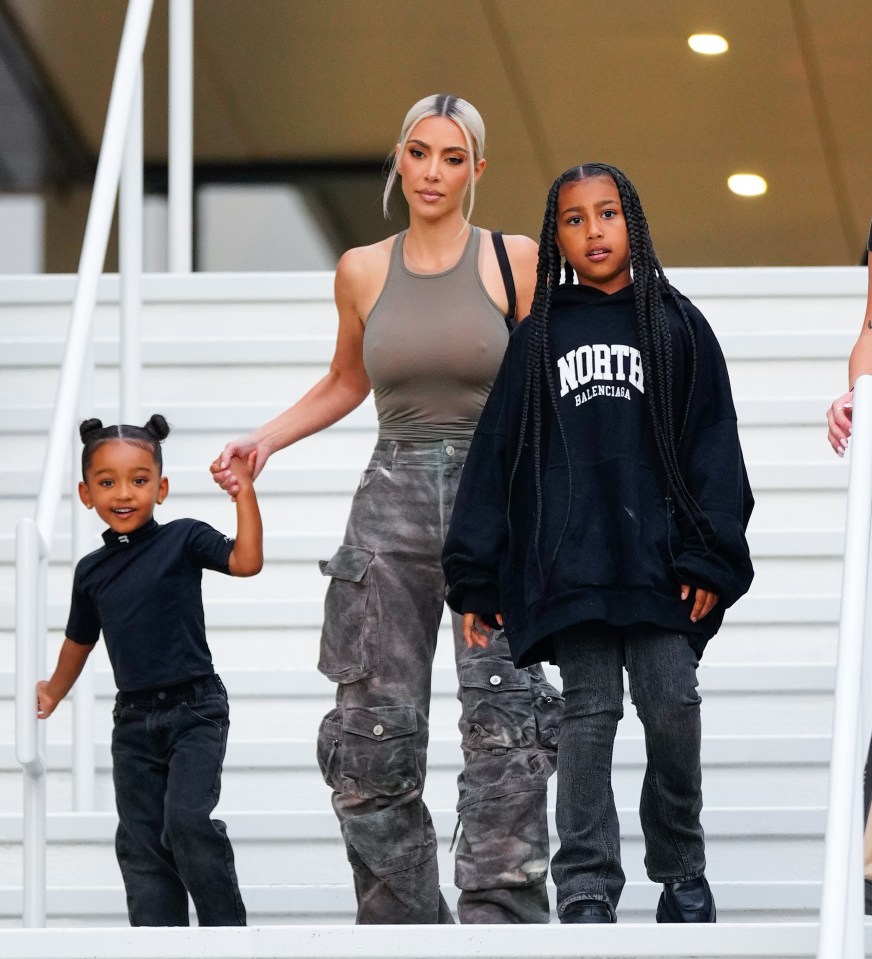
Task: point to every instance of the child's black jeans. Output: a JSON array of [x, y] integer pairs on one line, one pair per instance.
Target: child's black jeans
[[663, 687], [167, 751]]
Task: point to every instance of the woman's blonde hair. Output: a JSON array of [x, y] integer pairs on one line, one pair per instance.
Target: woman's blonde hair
[[464, 114]]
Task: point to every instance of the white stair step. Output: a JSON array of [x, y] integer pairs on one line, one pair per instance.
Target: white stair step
[[179, 349], [197, 418], [307, 682], [281, 775], [279, 613], [275, 847], [286, 645], [305, 546], [341, 479], [769, 940], [737, 700], [746, 901]]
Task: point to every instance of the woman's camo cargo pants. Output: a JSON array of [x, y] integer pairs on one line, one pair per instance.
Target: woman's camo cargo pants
[[382, 613]]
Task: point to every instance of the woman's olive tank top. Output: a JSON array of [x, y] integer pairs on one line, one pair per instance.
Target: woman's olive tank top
[[432, 347]]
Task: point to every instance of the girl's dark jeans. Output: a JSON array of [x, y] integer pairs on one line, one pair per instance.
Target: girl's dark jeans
[[167, 750], [662, 675]]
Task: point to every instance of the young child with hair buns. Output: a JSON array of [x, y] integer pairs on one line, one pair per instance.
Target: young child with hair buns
[[142, 589]]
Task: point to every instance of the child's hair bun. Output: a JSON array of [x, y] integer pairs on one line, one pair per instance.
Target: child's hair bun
[[86, 427], [157, 426]]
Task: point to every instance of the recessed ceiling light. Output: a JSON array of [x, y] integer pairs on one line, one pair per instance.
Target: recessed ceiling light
[[747, 184], [710, 44]]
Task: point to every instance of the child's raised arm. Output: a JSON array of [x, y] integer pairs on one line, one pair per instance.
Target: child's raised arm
[[71, 662], [247, 556]]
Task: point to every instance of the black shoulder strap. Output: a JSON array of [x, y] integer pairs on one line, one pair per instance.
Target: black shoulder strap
[[508, 279]]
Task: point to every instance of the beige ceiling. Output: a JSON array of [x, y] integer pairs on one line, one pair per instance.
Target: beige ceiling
[[558, 82]]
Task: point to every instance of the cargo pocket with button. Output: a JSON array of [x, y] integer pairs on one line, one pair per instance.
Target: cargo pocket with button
[[349, 637], [377, 751]]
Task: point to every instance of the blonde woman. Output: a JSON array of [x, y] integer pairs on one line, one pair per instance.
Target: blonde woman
[[424, 319]]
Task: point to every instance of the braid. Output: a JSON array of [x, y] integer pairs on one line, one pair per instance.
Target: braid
[[548, 272]]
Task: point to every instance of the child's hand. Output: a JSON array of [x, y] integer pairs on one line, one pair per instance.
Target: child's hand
[[239, 473], [243, 470], [476, 631], [704, 602], [241, 449], [45, 703]]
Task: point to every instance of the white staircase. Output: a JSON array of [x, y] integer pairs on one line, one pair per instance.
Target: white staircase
[[224, 353]]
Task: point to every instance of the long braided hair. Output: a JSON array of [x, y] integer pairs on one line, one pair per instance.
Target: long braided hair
[[655, 347]]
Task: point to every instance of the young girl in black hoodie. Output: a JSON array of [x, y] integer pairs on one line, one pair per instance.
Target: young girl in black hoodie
[[601, 521]]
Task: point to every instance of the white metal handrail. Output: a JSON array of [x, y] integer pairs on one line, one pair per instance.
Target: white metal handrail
[[31, 558], [34, 537], [180, 166], [841, 927], [92, 257]]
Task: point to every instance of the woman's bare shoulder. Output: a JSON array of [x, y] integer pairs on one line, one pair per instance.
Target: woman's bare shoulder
[[361, 273], [361, 260], [521, 246], [524, 258]]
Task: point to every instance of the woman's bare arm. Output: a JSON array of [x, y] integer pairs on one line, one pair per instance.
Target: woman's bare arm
[[343, 388]]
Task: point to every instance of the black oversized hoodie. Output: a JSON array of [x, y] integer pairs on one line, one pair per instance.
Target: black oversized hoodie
[[612, 548]]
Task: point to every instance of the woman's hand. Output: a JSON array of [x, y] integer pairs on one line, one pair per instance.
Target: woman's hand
[[253, 453], [839, 422], [704, 601], [476, 631]]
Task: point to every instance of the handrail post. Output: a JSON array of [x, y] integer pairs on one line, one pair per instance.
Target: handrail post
[[130, 262], [841, 896], [81, 535], [30, 590], [180, 162]]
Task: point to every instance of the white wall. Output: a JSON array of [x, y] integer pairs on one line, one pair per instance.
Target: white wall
[[21, 234], [258, 227]]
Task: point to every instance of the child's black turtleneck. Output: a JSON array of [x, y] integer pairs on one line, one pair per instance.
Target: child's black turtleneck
[[143, 591]]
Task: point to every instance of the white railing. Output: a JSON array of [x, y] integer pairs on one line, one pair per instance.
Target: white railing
[[122, 144], [180, 166], [841, 929], [31, 558]]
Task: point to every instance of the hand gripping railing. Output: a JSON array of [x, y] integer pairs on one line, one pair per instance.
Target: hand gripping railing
[[841, 926], [34, 538]]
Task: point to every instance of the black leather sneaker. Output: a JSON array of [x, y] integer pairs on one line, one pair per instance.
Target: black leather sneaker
[[587, 910], [690, 901]]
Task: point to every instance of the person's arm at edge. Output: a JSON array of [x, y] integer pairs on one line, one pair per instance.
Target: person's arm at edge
[[840, 410], [71, 662]]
